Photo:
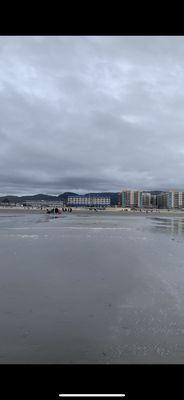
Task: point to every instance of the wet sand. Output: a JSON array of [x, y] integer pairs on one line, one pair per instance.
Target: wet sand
[[91, 288], [19, 210], [107, 211]]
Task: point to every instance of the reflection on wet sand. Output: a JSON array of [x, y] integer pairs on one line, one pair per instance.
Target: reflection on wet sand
[[92, 288], [166, 225]]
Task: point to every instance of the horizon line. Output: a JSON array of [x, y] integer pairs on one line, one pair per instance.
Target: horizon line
[[92, 395], [107, 191]]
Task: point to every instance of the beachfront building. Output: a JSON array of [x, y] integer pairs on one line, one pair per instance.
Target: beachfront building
[[175, 199], [119, 199], [170, 199], [162, 200], [132, 198], [153, 200], [42, 203], [146, 200], [89, 201]]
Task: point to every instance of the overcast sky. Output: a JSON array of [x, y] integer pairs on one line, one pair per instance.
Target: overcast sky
[[91, 113]]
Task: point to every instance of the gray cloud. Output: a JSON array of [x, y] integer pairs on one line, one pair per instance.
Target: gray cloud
[[91, 113]]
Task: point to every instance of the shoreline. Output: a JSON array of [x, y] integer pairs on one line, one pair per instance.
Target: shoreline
[[111, 211], [20, 210]]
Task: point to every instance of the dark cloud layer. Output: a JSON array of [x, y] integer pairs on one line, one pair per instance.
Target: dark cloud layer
[[91, 113]]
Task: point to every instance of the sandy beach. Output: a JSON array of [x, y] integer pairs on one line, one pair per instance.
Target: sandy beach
[[18, 210], [107, 211], [123, 212]]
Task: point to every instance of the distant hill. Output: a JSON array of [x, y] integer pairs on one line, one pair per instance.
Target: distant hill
[[9, 199], [64, 196], [61, 197], [19, 199], [39, 197], [156, 192]]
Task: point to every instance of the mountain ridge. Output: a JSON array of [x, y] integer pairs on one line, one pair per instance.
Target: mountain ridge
[[61, 197]]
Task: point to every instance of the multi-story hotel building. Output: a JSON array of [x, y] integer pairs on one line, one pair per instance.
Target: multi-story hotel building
[[153, 200], [175, 199], [146, 200], [119, 199], [162, 200], [132, 198], [170, 199], [89, 201]]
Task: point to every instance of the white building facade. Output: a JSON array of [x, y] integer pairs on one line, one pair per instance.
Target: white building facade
[[89, 201]]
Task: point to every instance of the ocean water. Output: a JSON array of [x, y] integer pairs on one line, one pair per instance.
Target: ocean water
[[91, 288]]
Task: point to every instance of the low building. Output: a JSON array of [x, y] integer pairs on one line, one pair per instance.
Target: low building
[[43, 203], [88, 201]]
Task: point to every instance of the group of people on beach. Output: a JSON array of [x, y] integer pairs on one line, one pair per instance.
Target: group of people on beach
[[57, 211]]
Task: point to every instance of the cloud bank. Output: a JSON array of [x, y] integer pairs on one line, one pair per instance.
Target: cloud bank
[[91, 113]]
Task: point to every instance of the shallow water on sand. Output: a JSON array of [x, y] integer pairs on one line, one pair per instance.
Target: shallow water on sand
[[91, 288]]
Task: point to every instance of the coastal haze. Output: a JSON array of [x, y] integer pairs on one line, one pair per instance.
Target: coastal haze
[[91, 288]]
